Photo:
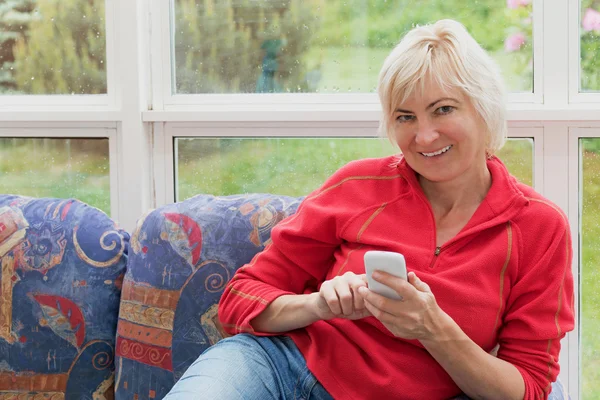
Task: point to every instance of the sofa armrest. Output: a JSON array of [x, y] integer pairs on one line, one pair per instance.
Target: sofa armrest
[[182, 256], [63, 264]]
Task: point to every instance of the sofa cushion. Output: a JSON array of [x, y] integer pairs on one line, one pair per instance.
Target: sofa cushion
[[63, 263], [182, 255]]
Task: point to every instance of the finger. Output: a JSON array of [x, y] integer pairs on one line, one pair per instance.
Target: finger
[[377, 300], [396, 283], [373, 309], [418, 283], [331, 298], [363, 277], [355, 283], [345, 297]]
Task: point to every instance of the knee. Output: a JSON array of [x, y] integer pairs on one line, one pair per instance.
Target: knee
[[230, 350], [224, 371]]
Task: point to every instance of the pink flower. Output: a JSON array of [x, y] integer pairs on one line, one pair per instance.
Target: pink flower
[[517, 3], [514, 42], [591, 20]]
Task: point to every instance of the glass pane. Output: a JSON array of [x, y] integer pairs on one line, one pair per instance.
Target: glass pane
[[517, 155], [590, 46], [327, 46], [589, 270], [290, 166], [63, 168], [52, 47]]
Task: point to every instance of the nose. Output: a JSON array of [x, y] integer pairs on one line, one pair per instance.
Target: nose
[[426, 133]]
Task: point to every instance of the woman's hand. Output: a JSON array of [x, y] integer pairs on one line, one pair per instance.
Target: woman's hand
[[416, 316], [339, 298]]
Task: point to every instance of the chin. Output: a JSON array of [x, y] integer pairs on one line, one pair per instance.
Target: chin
[[437, 176]]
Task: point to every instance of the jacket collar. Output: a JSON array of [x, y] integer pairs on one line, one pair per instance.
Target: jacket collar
[[502, 202]]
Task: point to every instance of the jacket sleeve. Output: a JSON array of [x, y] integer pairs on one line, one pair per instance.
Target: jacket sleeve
[[539, 309], [296, 261]]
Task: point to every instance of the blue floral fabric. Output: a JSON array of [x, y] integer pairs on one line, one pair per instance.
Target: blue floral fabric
[[63, 264], [182, 255]]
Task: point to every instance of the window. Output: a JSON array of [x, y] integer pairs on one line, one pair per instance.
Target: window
[[63, 168], [333, 46], [175, 98], [590, 46], [589, 296], [52, 47], [291, 166]]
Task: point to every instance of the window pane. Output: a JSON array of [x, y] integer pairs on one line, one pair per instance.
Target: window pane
[[52, 47], [589, 270], [290, 166], [327, 46], [63, 168], [590, 46], [517, 155]]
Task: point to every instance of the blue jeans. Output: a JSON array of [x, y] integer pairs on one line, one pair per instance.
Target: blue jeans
[[248, 367]]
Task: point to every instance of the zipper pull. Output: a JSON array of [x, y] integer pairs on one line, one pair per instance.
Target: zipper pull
[[437, 251]]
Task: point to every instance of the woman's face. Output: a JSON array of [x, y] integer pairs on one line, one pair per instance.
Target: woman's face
[[441, 135]]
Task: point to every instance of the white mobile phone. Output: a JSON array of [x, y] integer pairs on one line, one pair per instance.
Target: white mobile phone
[[386, 261]]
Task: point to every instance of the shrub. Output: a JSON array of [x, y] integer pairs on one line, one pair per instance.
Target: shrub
[[228, 46], [77, 64]]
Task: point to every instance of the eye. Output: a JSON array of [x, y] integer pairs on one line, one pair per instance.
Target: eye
[[404, 118], [443, 110]]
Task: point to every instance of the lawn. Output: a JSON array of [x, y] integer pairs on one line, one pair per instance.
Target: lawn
[[590, 274], [356, 69], [290, 166], [55, 168]]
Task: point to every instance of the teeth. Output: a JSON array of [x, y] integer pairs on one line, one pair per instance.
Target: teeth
[[437, 153]]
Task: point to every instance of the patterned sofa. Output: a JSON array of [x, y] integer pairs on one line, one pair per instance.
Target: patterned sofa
[[68, 272], [181, 257], [63, 264]]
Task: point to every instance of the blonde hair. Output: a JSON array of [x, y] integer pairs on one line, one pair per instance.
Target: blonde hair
[[445, 53]]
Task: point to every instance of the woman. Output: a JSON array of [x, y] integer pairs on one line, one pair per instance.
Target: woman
[[489, 259]]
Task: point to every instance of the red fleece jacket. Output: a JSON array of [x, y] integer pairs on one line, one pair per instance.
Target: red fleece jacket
[[505, 279]]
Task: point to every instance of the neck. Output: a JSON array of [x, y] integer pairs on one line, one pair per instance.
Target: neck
[[466, 191]]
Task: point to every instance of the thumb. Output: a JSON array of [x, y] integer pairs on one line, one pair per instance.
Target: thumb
[[418, 283]]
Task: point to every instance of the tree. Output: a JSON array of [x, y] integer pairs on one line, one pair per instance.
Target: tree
[[64, 50], [15, 17], [230, 46]]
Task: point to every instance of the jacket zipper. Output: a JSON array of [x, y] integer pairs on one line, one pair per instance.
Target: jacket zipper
[[439, 249], [437, 252]]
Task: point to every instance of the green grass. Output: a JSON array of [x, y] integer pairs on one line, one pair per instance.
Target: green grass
[[590, 274], [54, 168], [356, 69], [292, 167], [345, 70]]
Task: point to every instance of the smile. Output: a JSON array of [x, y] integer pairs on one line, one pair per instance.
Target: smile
[[437, 153]]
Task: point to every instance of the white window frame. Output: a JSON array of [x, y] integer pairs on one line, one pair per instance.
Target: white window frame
[[141, 117]]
